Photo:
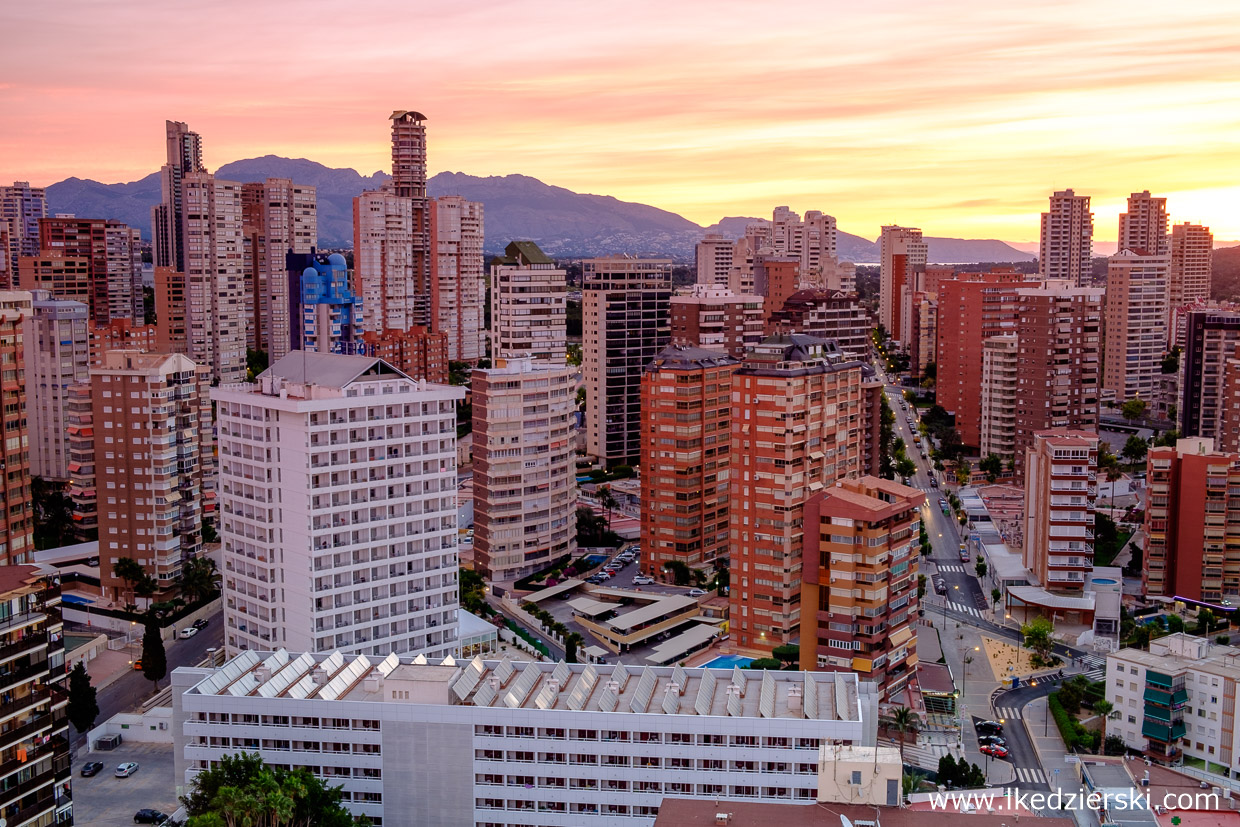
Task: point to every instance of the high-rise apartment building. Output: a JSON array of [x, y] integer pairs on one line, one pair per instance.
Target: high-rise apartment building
[[1059, 329], [797, 427], [16, 503], [1143, 229], [57, 348], [902, 253], [21, 207], [775, 279], [82, 491], [713, 259], [715, 318], [214, 253], [757, 238], [1212, 339], [416, 352], [338, 503], [1229, 427], [34, 746], [458, 290], [826, 314], [152, 420], [1192, 255], [121, 334], [113, 255], [525, 484], [8, 261], [1192, 522], [812, 241], [327, 314], [183, 154], [1135, 319], [999, 395], [170, 310], [383, 262], [1061, 469], [859, 595], [278, 218], [625, 303], [686, 445], [63, 277], [1067, 239], [972, 308], [529, 305]]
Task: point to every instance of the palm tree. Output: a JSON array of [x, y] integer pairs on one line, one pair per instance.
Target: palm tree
[[1104, 708], [902, 720], [608, 502], [199, 580]]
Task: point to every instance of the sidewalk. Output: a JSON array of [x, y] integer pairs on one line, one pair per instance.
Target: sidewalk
[[958, 641], [1052, 755]]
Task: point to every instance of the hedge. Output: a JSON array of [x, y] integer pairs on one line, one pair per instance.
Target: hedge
[[1074, 735]]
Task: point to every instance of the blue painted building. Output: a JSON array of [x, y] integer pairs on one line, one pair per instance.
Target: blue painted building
[[327, 313]]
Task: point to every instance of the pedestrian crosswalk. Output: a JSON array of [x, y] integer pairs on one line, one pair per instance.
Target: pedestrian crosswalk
[[1007, 714], [1030, 775], [950, 567], [958, 607]]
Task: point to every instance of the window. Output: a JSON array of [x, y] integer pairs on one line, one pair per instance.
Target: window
[[856, 777]]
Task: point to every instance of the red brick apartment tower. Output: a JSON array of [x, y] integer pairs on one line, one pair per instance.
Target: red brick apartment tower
[[972, 308], [859, 595], [16, 504], [1061, 470], [1192, 522], [685, 449], [797, 428], [775, 278], [715, 318]]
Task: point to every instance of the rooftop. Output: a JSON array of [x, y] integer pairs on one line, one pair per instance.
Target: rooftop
[[685, 812], [333, 370], [684, 357], [826, 696]]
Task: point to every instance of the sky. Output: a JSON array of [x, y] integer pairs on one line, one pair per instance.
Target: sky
[[957, 116]]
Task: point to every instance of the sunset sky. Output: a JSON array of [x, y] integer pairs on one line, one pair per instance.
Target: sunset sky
[[958, 116]]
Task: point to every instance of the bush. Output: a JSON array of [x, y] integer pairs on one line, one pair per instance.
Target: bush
[[765, 663], [1074, 735]]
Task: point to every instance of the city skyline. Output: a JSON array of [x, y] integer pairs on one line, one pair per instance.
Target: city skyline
[[962, 131]]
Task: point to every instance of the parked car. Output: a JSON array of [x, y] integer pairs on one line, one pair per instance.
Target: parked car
[[188, 632], [594, 579], [137, 665], [642, 580], [697, 593], [992, 740], [989, 728], [91, 768], [964, 553], [126, 769], [940, 586], [934, 481], [201, 623], [994, 751], [149, 816]]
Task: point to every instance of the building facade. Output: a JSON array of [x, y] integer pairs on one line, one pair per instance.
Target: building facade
[[525, 483], [563, 745], [902, 253], [152, 424], [1192, 256], [1135, 319], [21, 207], [329, 317], [713, 260], [685, 457], [715, 318], [529, 305], [16, 502], [35, 758], [1066, 247], [214, 252], [458, 289], [183, 155], [1000, 359], [1192, 523], [82, 491], [859, 593], [826, 314], [1211, 341], [1143, 228], [57, 357], [625, 307], [1061, 472], [417, 352], [797, 427], [114, 262], [338, 508]]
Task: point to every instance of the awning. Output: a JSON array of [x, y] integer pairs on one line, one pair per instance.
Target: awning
[[901, 636], [683, 644]]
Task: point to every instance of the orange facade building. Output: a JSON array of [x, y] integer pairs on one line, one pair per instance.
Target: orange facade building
[[417, 352], [798, 423], [859, 595], [685, 449]]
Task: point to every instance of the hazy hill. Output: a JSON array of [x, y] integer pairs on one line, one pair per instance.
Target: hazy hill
[[1225, 275], [563, 222]]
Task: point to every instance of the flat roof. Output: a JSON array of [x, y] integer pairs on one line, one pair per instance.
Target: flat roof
[[1038, 596], [683, 643], [590, 607], [652, 612], [823, 696], [552, 591]]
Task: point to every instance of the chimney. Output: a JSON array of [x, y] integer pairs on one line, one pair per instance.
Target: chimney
[[723, 819], [262, 674], [320, 676], [373, 682], [794, 698]]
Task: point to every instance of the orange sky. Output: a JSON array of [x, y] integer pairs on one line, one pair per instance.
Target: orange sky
[[959, 117]]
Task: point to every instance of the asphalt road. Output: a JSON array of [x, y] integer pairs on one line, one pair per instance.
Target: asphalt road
[[127, 693]]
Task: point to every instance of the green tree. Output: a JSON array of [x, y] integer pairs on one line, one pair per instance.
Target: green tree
[[53, 513], [571, 644], [138, 583], [1175, 624], [788, 653], [573, 356], [256, 362], [199, 580], [1134, 450], [607, 501], [241, 791], [83, 705], [1114, 745], [980, 568], [995, 597], [906, 467], [1104, 708], [921, 586], [680, 571], [154, 658], [964, 472], [902, 720], [1133, 409], [1205, 622], [992, 465], [766, 663], [209, 534], [1036, 636], [723, 580], [1171, 362]]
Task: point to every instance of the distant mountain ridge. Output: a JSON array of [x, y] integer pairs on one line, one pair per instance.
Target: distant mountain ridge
[[563, 223]]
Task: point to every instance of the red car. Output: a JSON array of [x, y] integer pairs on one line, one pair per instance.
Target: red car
[[994, 751]]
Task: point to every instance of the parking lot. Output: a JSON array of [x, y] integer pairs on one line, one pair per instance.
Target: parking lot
[[108, 801]]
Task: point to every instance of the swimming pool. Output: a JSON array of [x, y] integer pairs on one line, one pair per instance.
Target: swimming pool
[[728, 661], [75, 600]]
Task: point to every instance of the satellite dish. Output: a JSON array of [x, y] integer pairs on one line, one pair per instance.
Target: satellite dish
[[844, 821]]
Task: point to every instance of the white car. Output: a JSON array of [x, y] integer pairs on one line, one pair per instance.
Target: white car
[[188, 632], [696, 593], [127, 769], [642, 580]]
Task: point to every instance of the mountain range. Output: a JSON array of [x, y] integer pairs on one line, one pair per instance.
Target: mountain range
[[563, 223]]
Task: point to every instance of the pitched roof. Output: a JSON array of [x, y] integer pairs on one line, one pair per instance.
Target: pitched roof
[[333, 370]]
